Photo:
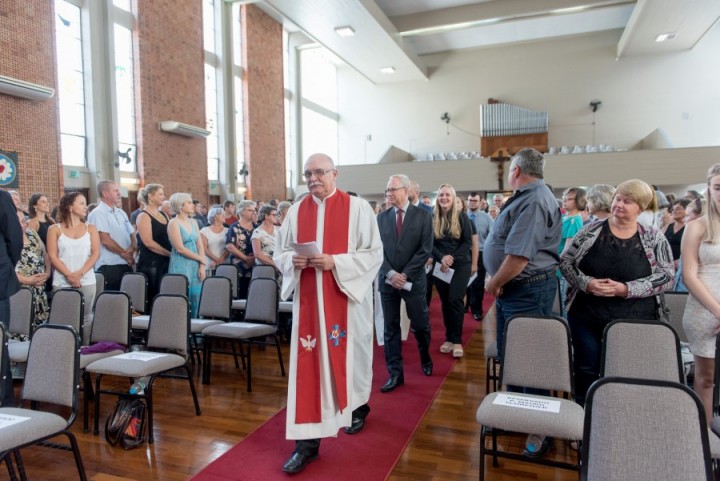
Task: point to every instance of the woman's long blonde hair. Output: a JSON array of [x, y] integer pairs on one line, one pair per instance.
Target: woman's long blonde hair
[[712, 234], [444, 225]]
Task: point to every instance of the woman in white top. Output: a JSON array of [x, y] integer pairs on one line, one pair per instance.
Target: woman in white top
[[73, 248], [263, 237], [213, 237]]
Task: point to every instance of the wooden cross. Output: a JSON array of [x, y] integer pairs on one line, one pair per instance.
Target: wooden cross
[[499, 157]]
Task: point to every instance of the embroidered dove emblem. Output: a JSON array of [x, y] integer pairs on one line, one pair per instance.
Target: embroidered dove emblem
[[309, 343]]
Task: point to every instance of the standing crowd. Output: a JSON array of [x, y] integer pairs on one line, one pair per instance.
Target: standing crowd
[[607, 253]]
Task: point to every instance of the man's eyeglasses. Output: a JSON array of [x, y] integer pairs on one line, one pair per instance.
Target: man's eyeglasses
[[392, 190], [317, 173]]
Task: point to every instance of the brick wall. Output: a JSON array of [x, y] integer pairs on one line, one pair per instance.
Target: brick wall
[[30, 127], [264, 109], [170, 86]]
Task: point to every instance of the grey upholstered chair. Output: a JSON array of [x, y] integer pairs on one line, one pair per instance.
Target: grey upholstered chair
[[167, 349], [111, 324], [214, 308], [263, 271], [536, 354], [231, 272], [675, 303], [644, 430], [51, 377], [68, 309], [641, 349], [176, 284], [259, 324], [99, 287], [135, 285], [22, 309]]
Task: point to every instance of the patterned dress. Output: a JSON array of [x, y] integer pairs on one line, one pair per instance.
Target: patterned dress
[[240, 237], [180, 264], [698, 322], [32, 261]]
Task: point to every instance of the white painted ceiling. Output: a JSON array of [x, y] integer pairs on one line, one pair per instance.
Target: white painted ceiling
[[399, 33]]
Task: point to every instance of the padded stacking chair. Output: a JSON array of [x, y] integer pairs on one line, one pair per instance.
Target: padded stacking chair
[[99, 287], [68, 309], [214, 308], [644, 430], [641, 349], [111, 324], [22, 312], [231, 272], [675, 302], [176, 284], [167, 350], [135, 285], [260, 323], [51, 377], [537, 354], [263, 271]]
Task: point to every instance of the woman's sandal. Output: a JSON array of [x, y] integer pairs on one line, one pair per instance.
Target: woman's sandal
[[457, 350], [446, 347]]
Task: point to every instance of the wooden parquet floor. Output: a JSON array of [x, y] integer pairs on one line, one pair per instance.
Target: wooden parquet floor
[[444, 447]]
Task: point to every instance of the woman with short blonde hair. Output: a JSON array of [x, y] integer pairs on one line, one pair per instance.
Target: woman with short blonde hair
[[616, 269]]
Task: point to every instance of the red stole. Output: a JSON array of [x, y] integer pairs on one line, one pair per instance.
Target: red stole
[[335, 241]]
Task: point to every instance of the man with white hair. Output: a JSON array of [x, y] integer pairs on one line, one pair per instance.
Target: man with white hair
[[117, 235], [328, 251]]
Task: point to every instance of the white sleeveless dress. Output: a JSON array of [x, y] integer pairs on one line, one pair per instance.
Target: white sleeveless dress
[[698, 322]]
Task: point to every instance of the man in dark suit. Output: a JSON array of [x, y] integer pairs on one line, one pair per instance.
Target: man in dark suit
[[11, 243], [407, 237]]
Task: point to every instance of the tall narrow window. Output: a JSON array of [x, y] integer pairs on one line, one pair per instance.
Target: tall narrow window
[[212, 71], [125, 98], [71, 87], [319, 118]]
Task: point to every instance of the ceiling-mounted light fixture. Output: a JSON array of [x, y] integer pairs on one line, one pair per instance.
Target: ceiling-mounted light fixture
[[345, 31], [387, 70], [665, 36]]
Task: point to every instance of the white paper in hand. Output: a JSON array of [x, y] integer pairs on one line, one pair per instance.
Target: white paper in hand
[[443, 276], [306, 249]]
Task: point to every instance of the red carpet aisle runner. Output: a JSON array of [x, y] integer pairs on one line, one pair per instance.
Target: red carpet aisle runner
[[367, 456]]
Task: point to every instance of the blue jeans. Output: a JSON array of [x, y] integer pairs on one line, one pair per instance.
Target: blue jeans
[[536, 298]]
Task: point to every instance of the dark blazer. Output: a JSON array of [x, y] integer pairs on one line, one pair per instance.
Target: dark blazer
[[408, 254], [11, 244]]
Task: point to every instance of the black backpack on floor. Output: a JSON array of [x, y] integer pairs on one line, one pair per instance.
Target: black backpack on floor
[[127, 424]]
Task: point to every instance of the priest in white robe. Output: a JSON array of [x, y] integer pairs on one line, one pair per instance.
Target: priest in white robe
[[331, 274]]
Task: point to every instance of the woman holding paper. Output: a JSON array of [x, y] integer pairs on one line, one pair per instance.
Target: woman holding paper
[[452, 254]]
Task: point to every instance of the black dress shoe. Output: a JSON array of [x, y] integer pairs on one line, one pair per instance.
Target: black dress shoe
[[392, 383], [297, 462], [427, 368], [357, 425], [477, 316]]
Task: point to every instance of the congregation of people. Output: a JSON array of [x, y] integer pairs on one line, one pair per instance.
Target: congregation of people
[[607, 252]]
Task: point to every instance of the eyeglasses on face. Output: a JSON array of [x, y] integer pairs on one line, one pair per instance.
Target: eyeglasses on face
[[392, 190], [317, 173]]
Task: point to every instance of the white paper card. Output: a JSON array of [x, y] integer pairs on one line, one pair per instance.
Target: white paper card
[[443, 276], [10, 419], [472, 278], [306, 249], [524, 402], [406, 287], [140, 355]]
